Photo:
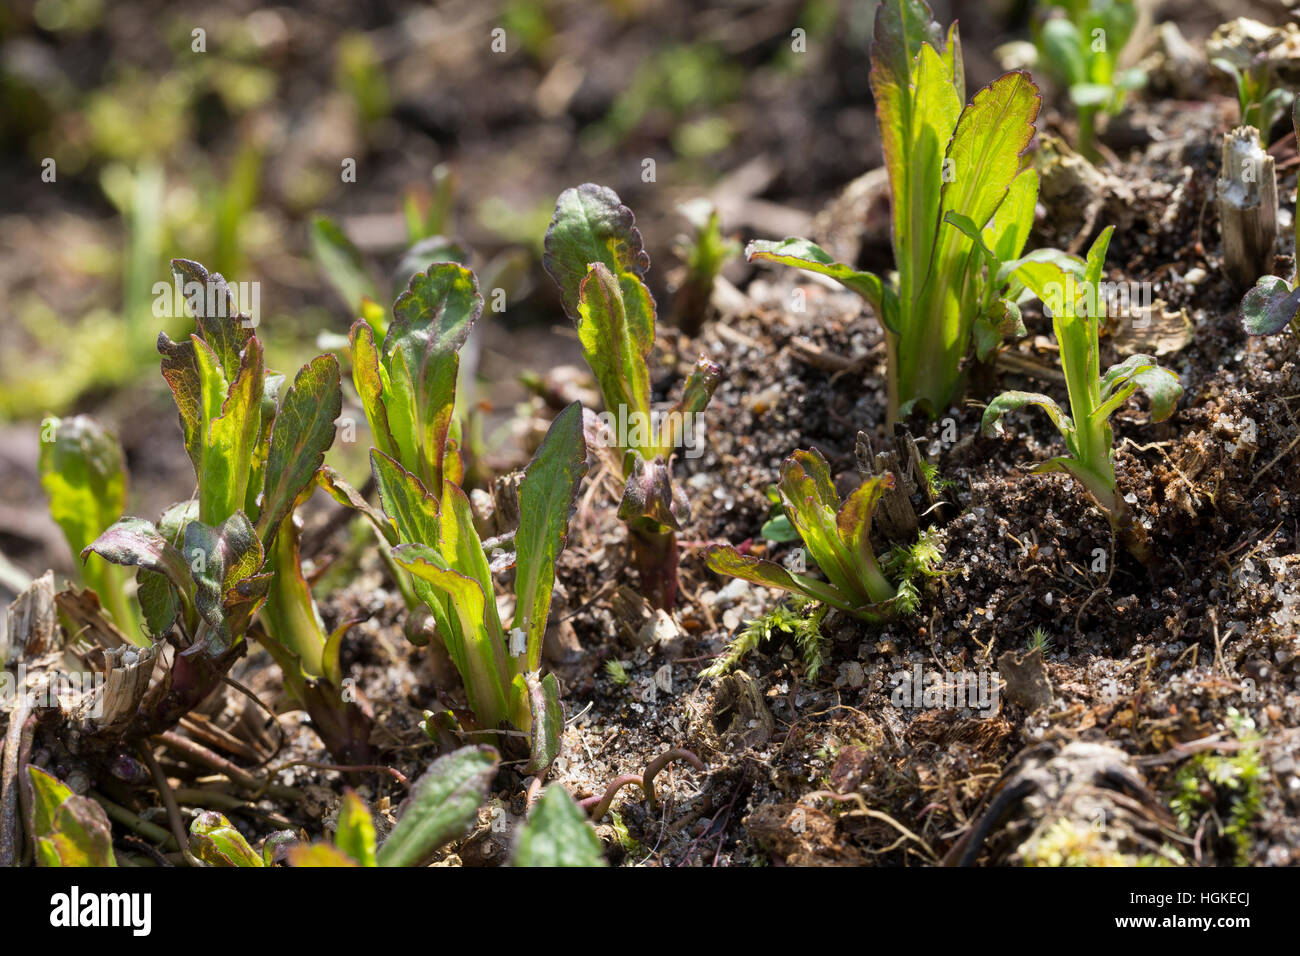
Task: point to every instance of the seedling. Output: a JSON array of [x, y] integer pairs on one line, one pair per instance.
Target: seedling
[[442, 807], [1259, 103], [595, 255], [83, 472], [836, 536], [962, 208], [208, 566], [408, 388], [342, 266], [705, 251], [1080, 44], [1073, 296]]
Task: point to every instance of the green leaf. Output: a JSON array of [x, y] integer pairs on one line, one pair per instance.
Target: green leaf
[[802, 254], [70, 830], [442, 806], [476, 646], [546, 500], [696, 394], [408, 504], [994, 326], [431, 320], [1063, 51], [1269, 307], [779, 529], [159, 602], [1083, 95], [854, 520], [420, 255], [616, 330], [82, 471], [1139, 372], [294, 632], [1009, 230], [368, 378], [901, 27], [812, 505], [217, 843], [986, 147], [591, 225], [724, 559], [557, 834], [232, 417], [303, 430], [917, 109], [355, 832], [341, 264], [991, 424], [319, 855]]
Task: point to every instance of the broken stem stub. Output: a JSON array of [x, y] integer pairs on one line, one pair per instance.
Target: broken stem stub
[[1247, 195]]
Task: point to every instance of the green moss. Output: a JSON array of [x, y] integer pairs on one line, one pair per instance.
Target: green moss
[[1226, 785]]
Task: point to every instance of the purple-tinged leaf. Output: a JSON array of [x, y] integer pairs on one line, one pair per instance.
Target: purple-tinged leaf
[[650, 495], [303, 430], [219, 559], [343, 493], [1270, 306], [70, 830], [136, 543], [545, 718], [431, 320], [220, 324], [591, 225]]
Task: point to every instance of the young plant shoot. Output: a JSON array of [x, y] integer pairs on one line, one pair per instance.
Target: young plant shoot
[[1075, 300], [83, 472], [595, 255], [962, 206], [1079, 45], [408, 387], [212, 563], [837, 537]]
